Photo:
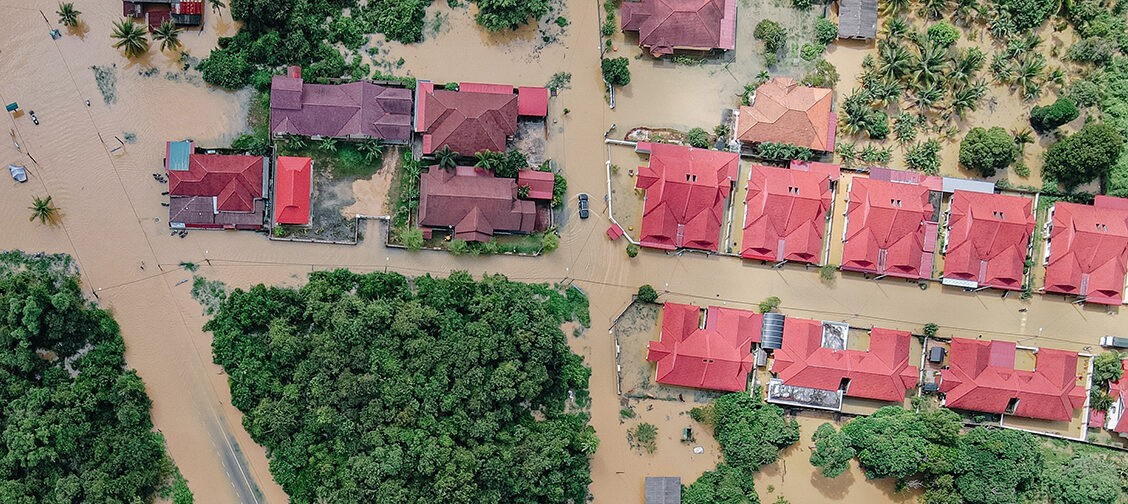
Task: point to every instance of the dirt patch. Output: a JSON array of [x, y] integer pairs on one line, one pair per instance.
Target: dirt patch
[[330, 195], [635, 330], [530, 140], [371, 195]]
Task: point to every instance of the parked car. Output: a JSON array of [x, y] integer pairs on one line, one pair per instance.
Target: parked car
[[583, 206], [19, 173], [1114, 342]]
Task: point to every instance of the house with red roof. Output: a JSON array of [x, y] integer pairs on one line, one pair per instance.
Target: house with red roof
[[890, 229], [213, 191], [786, 214], [882, 372], [477, 117], [356, 110], [472, 204], [784, 111], [1117, 420], [686, 193], [540, 183], [988, 240], [981, 376], [709, 349], [293, 181], [156, 12], [1087, 250], [664, 26]]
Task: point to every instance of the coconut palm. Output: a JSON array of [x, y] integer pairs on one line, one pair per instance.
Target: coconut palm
[[130, 38], [1027, 74], [485, 159], [929, 66], [965, 64], [1056, 76], [168, 35], [966, 12], [967, 99], [891, 7], [44, 210], [68, 15], [446, 158], [847, 153], [905, 127], [293, 143], [328, 144], [217, 5], [933, 9], [372, 149], [896, 60], [927, 97], [895, 28], [1022, 137]]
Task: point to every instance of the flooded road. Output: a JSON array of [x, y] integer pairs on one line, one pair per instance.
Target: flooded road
[[115, 226]]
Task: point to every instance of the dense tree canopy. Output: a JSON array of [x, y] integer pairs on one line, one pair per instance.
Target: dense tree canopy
[[1107, 367], [377, 388], [987, 151], [832, 451], [75, 423], [723, 485], [1085, 479], [1053, 115], [500, 15], [616, 71], [1085, 155]]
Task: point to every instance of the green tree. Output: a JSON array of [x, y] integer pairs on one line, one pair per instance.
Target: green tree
[[723, 485], [225, 68], [446, 158], [645, 436], [750, 431], [698, 137], [826, 32], [1084, 156], [769, 303], [774, 37], [985, 151], [458, 247], [550, 241], [832, 451], [501, 15], [68, 15], [168, 35], [616, 71], [1107, 367], [943, 34], [632, 250], [930, 329], [373, 149], [44, 210], [647, 294], [1051, 116], [996, 465], [1085, 479], [130, 38]]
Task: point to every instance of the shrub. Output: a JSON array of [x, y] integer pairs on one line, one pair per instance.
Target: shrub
[[877, 126], [616, 71], [930, 329], [768, 304], [924, 156], [824, 75], [225, 68], [943, 34], [632, 250], [811, 52], [986, 151], [1051, 116], [698, 137], [832, 451], [1107, 367], [501, 15], [550, 241], [1084, 93], [772, 34], [645, 436], [1096, 50], [458, 247], [412, 238], [1086, 479], [1084, 156], [827, 272], [722, 131], [647, 294], [826, 32], [801, 4]]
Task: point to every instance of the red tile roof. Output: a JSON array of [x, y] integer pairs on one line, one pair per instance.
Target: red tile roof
[[292, 179], [665, 25], [784, 111], [883, 372], [235, 181], [716, 357], [686, 189], [1089, 252], [532, 101], [885, 229], [785, 215], [988, 237], [1117, 390], [466, 121], [353, 110], [540, 183], [473, 203], [981, 377], [831, 170]]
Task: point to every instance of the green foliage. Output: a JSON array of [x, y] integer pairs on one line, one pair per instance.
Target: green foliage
[[559, 189], [824, 75], [632, 250], [44, 210], [427, 390], [997, 465], [782, 151], [503, 164], [801, 4], [827, 272], [943, 34], [924, 156], [550, 241], [1084, 93], [768, 304], [1085, 479], [1099, 399], [501, 15], [209, 293], [76, 421], [225, 68], [1095, 50], [559, 80], [698, 137], [644, 436], [68, 15], [1084, 156], [774, 37], [616, 71], [1107, 367], [410, 237], [647, 294], [826, 32], [723, 485], [1018, 16], [832, 451], [986, 151], [896, 443], [811, 52], [750, 431], [130, 38], [877, 126], [407, 199], [930, 329], [458, 247], [1051, 116]]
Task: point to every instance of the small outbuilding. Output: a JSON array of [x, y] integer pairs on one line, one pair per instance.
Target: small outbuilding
[[857, 19], [663, 490]]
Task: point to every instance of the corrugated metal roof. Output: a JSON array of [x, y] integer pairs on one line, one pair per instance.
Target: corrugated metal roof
[[663, 490], [857, 19]]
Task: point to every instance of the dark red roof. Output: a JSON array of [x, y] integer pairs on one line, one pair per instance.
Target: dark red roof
[[785, 215], [532, 101], [353, 110], [1089, 251], [981, 377], [293, 177], [717, 356], [885, 229], [234, 181], [466, 121], [988, 237], [193, 7], [474, 203], [665, 25], [686, 189], [883, 372], [540, 183]]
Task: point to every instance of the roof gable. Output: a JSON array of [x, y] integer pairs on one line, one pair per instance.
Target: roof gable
[[476, 205], [468, 122], [783, 111], [785, 214], [1089, 253], [292, 180], [717, 356], [988, 237], [685, 192], [665, 25], [356, 109], [235, 181], [886, 231]]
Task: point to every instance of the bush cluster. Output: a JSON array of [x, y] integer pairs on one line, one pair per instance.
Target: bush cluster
[[985, 151], [1051, 116]]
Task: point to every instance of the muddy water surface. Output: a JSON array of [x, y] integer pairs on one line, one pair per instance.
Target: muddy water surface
[[113, 222]]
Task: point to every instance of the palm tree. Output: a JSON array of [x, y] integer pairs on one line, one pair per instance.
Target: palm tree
[[68, 15], [965, 64], [1022, 137], [44, 210], [293, 143], [328, 144], [966, 12], [847, 152], [168, 35], [965, 99], [930, 65], [891, 7], [1027, 74], [933, 9], [446, 158], [895, 28], [895, 59], [905, 127], [130, 38], [486, 160], [927, 97], [373, 149], [217, 5]]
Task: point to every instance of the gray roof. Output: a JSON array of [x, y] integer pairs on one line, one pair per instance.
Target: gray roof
[[857, 19], [663, 490]]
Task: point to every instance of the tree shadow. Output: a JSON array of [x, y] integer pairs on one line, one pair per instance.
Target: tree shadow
[[832, 488]]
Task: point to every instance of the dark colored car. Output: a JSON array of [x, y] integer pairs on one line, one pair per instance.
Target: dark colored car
[[583, 206]]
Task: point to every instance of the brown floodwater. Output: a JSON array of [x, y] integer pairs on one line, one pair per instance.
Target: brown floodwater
[[113, 223]]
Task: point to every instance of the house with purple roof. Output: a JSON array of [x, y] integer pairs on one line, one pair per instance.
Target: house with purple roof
[[354, 111]]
